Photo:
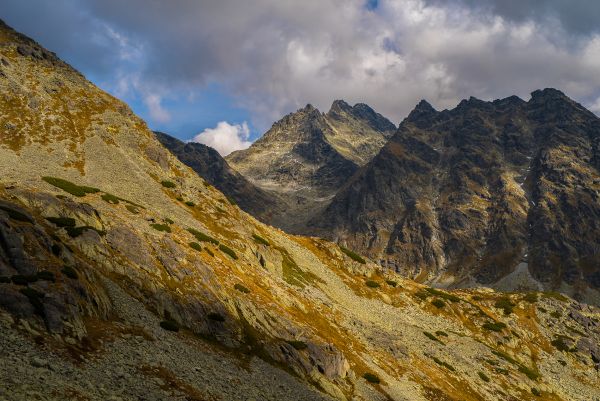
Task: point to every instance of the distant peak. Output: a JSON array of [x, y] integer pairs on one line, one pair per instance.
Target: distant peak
[[308, 107], [548, 93], [425, 106], [421, 113], [340, 105]]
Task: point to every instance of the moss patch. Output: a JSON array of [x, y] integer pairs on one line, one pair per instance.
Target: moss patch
[[353, 255], [260, 240], [505, 304], [161, 227], [438, 303], [372, 284], [241, 288], [371, 378], [495, 326], [227, 250], [69, 187], [202, 237], [299, 345]]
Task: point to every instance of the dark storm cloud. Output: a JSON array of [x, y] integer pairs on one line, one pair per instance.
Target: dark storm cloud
[[273, 56], [576, 16]]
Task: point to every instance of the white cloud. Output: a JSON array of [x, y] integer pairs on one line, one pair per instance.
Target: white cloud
[[275, 56], [157, 111], [225, 137]]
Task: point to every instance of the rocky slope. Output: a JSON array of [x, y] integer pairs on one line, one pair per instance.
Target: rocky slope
[[211, 166], [308, 155], [124, 275], [504, 192]]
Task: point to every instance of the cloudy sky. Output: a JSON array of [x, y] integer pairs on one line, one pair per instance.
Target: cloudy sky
[[221, 71]]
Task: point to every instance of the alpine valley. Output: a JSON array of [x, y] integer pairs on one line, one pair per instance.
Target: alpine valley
[[134, 266]]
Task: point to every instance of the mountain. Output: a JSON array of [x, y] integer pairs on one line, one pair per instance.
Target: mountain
[[209, 164], [503, 193], [126, 276], [306, 156]]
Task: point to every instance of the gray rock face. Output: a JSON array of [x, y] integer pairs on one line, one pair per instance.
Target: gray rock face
[[209, 164], [307, 156], [474, 191]]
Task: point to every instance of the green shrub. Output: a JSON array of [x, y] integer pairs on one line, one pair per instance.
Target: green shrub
[[241, 288], [556, 314], [422, 295], [69, 187], [505, 304], [196, 246], [62, 221], [391, 283], [353, 255], [209, 252], [217, 317], [441, 333], [495, 326], [444, 295], [46, 275], [483, 377], [560, 344], [438, 303], [444, 364], [536, 392], [75, 232], [35, 298], [110, 198], [292, 273], [502, 371], [70, 272], [161, 227], [168, 220], [202, 237], [372, 284], [432, 337], [529, 372], [505, 356], [371, 378], [180, 199], [231, 201], [530, 297], [16, 215], [476, 298], [190, 203], [167, 184], [299, 345], [225, 249], [555, 295], [170, 325], [261, 240], [132, 209]]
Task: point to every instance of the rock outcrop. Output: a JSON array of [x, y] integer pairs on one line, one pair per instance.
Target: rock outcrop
[[306, 156], [468, 195], [211, 166]]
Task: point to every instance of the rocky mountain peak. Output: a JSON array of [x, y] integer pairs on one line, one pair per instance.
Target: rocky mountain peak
[[422, 113], [124, 275]]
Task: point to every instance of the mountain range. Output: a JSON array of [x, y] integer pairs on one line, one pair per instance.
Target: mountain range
[[126, 274]]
